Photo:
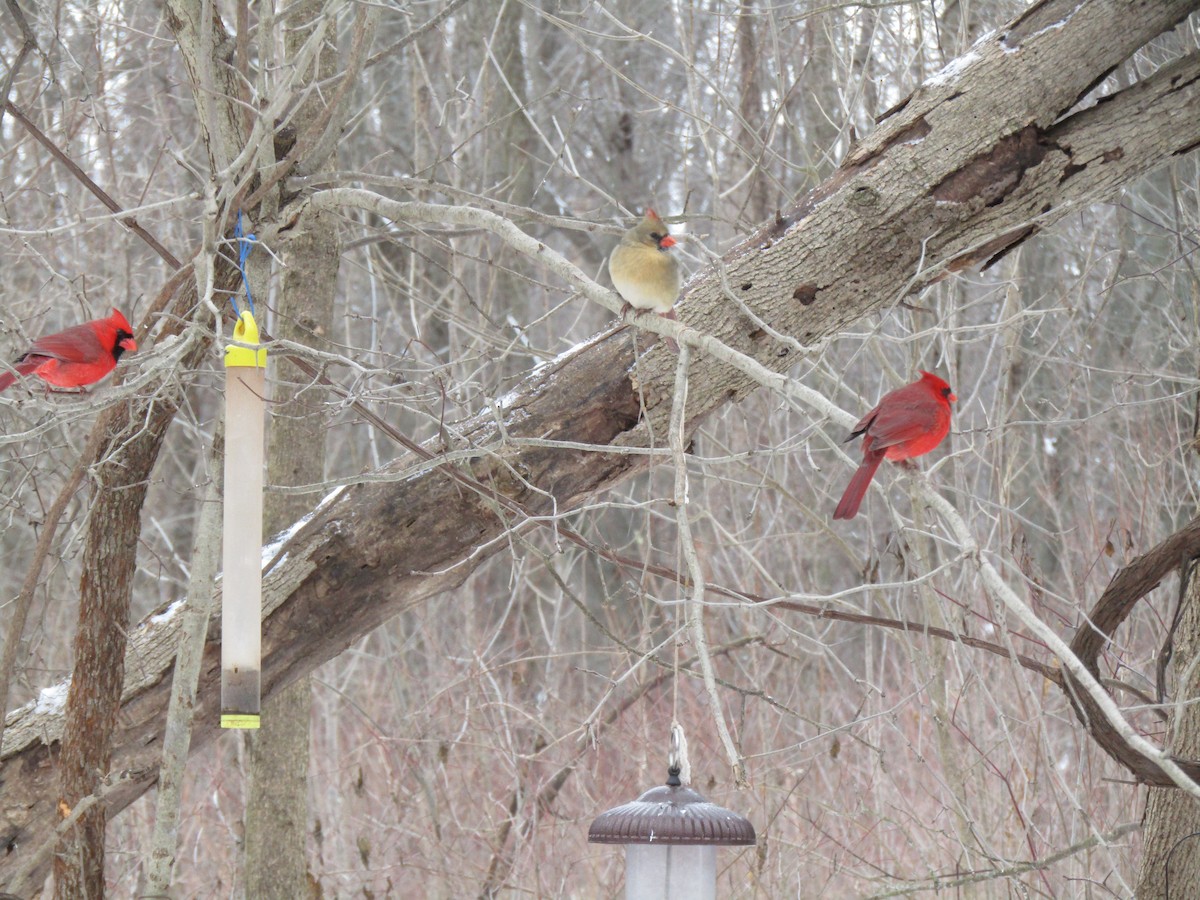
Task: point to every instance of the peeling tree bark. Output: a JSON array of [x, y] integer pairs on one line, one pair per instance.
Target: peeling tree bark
[[875, 232]]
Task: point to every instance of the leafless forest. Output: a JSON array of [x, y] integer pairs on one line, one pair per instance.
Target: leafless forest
[[883, 698]]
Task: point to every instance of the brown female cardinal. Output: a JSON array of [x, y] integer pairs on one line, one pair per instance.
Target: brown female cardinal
[[79, 356], [646, 275], [908, 422]]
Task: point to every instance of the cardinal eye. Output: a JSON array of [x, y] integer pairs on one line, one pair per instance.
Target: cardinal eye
[[945, 392], [656, 236]]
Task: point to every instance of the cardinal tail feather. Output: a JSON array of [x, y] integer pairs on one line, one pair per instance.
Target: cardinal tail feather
[[847, 507], [23, 367]]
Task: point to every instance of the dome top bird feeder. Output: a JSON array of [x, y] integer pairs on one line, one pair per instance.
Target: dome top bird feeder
[[671, 834]]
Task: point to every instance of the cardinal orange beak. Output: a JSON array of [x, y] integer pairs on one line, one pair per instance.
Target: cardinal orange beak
[[666, 242]]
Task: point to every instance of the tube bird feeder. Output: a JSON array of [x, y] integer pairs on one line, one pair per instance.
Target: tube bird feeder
[[671, 834], [241, 598]]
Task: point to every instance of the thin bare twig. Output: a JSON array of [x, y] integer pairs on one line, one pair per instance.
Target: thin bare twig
[[83, 178], [28, 45], [695, 601], [446, 11], [1033, 865]]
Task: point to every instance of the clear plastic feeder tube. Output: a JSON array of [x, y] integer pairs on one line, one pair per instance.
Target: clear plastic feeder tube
[[241, 600]]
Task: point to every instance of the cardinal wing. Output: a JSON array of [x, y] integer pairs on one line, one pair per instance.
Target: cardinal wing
[[79, 344], [902, 420]]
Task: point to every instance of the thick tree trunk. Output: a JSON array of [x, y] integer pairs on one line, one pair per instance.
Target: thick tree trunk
[[94, 699], [756, 198], [967, 168], [277, 791], [1171, 842]]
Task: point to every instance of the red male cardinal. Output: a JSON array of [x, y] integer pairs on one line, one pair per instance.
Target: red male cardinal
[[76, 357], [644, 273], [908, 422]]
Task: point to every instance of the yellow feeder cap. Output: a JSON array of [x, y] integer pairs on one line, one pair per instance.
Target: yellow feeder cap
[[245, 332]]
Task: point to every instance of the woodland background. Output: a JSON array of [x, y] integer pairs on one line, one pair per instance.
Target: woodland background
[[463, 746]]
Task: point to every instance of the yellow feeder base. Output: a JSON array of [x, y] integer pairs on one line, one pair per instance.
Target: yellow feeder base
[[238, 720]]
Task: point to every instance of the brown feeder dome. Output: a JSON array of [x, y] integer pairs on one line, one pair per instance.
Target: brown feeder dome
[[671, 814]]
